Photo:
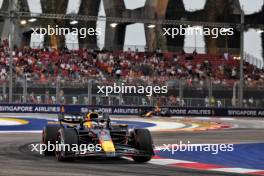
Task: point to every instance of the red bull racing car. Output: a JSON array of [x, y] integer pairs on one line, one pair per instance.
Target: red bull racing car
[[95, 135]]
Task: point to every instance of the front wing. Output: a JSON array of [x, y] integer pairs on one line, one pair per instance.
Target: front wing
[[121, 151]]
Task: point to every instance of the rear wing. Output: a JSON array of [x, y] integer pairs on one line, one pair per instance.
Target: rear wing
[[79, 118], [70, 118]]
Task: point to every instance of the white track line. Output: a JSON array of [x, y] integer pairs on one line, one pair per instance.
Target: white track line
[[14, 132]]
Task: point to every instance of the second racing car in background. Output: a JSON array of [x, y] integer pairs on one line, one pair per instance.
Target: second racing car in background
[[156, 111]]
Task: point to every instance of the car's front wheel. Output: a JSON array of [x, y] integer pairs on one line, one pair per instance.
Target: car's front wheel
[[143, 141], [49, 135], [67, 138]]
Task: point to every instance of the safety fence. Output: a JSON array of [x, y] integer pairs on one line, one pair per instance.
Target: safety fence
[[202, 93], [131, 110]]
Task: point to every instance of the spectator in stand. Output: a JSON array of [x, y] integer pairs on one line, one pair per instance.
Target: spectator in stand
[[212, 102], [219, 103], [195, 53], [207, 102], [251, 102]]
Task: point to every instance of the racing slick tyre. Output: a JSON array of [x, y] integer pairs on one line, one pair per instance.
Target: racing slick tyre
[[67, 138], [143, 141], [49, 135]]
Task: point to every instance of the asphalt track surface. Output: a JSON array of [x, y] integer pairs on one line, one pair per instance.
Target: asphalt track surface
[[16, 159]]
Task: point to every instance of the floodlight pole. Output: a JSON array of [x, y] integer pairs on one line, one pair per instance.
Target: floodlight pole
[[11, 35], [241, 82]]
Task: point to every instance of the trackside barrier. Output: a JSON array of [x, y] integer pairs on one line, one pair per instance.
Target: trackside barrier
[[130, 110]]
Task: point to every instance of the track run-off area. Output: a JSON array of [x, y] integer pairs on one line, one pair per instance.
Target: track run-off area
[[244, 135]]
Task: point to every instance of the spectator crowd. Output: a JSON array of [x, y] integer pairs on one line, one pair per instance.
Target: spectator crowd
[[46, 65]]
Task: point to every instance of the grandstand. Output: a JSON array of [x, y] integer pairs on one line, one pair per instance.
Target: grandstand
[[76, 65], [41, 69]]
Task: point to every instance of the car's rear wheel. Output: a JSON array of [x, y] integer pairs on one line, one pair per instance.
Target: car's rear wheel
[[143, 141], [49, 136], [67, 138]]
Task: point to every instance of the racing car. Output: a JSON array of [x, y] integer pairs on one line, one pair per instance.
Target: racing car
[[156, 111], [115, 140]]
